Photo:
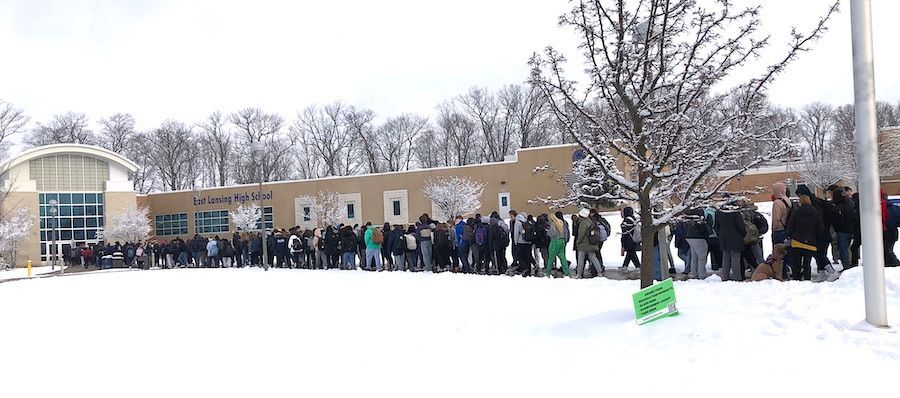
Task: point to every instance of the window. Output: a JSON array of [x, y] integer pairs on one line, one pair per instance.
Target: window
[[307, 215], [268, 217], [206, 222], [172, 224], [78, 217], [396, 203], [351, 213], [69, 172], [504, 201]]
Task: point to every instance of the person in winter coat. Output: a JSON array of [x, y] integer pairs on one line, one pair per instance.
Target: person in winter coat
[[584, 249], [542, 242], [361, 245], [462, 244], [373, 249], [318, 244], [441, 246], [212, 252], [482, 247], [857, 232], [522, 249], [332, 246], [386, 256], [629, 246], [454, 249], [731, 231], [410, 241], [282, 250], [226, 252], [781, 209], [696, 234], [348, 248], [296, 246], [772, 267], [844, 227], [397, 246], [559, 236], [237, 258], [499, 241], [424, 230], [889, 234], [805, 228], [826, 212]]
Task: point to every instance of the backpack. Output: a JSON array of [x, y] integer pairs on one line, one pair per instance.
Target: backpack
[[410, 241], [441, 238], [130, 252], [530, 233], [502, 236], [597, 234], [377, 236], [606, 226], [320, 244], [752, 235], [468, 233], [893, 219], [541, 237], [481, 235], [789, 208], [636, 232], [297, 245], [761, 224]]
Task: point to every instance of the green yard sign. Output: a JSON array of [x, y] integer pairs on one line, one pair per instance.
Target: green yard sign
[[654, 302]]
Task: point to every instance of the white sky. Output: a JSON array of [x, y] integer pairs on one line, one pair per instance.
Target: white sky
[[184, 59]]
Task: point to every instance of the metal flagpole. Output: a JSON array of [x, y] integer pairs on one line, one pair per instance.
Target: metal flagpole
[[867, 158]]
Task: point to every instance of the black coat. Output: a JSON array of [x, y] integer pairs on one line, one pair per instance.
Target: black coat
[[731, 230], [806, 225], [348, 241]]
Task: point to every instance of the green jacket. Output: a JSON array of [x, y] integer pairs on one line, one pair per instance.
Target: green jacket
[[369, 243], [582, 243]]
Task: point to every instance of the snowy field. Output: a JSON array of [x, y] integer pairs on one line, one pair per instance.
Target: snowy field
[[245, 332]]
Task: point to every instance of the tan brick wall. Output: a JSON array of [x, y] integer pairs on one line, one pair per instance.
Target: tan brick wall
[[31, 248], [514, 177]]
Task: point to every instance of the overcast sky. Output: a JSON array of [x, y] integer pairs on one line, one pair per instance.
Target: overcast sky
[[184, 59]]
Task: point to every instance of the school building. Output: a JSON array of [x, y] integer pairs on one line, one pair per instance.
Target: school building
[[90, 185]]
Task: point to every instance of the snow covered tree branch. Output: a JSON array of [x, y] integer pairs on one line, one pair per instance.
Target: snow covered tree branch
[[247, 217], [14, 229], [131, 225], [655, 125], [326, 207], [454, 196]]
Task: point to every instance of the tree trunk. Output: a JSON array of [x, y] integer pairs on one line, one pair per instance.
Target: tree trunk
[[647, 232]]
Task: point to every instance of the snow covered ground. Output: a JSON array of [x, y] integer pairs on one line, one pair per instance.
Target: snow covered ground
[[240, 333]]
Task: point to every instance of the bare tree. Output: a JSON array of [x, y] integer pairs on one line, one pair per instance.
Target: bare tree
[[140, 152], [116, 132], [326, 139], [652, 66], [12, 121], [485, 110], [68, 128], [395, 140], [359, 122], [172, 153], [217, 145], [459, 136], [816, 128], [254, 125], [526, 111]]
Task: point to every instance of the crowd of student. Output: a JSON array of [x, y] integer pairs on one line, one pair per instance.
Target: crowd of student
[[731, 237]]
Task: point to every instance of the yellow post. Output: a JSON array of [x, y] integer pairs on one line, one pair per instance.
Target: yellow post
[[29, 268]]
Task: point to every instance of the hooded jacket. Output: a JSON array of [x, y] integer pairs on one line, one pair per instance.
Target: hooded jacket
[[628, 223], [731, 230], [519, 230], [780, 206], [806, 225]]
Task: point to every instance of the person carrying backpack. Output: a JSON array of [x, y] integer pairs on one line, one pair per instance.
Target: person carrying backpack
[[441, 245], [559, 235], [295, 242], [541, 243], [805, 227], [348, 248], [587, 243], [696, 234], [424, 230], [630, 245], [498, 237], [844, 227], [732, 230], [464, 237], [484, 255], [212, 252], [397, 246], [411, 242], [523, 231], [374, 241]]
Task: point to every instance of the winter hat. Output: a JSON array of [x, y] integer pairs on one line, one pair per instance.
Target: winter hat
[[803, 190], [584, 213]]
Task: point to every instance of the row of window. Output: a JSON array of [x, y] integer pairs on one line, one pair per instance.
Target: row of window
[[71, 222], [71, 210], [71, 198], [205, 222], [63, 235]]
